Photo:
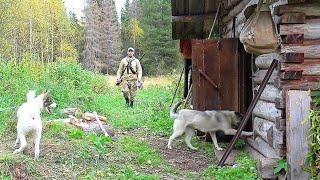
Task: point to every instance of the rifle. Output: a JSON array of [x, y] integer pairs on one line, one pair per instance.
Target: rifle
[[118, 82]]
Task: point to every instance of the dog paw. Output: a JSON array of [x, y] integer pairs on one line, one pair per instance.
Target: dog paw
[[219, 149], [195, 149], [16, 151], [169, 147]]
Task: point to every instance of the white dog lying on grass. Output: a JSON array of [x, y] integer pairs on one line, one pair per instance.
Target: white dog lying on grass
[[29, 120]]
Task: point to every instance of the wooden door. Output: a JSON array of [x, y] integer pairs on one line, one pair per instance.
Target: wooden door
[[220, 75]]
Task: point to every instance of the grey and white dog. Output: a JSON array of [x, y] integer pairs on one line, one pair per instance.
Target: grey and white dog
[[187, 121]]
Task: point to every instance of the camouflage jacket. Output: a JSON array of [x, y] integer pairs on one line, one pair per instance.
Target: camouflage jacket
[[133, 73]]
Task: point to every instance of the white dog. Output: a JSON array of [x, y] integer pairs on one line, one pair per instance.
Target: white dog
[[29, 120], [187, 121]]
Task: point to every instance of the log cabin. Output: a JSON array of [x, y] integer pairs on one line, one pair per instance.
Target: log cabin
[[225, 76]]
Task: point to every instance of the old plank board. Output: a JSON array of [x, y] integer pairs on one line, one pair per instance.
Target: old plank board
[[297, 108], [310, 30], [305, 83], [293, 57], [292, 39], [267, 110], [310, 51], [309, 9], [293, 18], [308, 67]]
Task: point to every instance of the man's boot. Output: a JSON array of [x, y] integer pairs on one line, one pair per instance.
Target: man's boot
[[131, 104], [127, 101]]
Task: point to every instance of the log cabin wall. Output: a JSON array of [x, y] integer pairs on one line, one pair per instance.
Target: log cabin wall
[[298, 22]]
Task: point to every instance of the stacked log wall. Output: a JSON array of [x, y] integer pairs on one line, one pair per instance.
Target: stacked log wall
[[298, 69]]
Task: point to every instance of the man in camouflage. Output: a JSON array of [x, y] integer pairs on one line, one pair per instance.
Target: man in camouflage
[[129, 76]]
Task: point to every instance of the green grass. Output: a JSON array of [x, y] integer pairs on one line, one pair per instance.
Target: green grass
[[69, 153]]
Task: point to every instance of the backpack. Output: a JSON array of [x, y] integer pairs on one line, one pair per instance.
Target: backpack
[[259, 34]]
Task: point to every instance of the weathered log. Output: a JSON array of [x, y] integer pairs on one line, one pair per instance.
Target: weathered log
[[309, 9], [263, 148], [269, 133], [308, 67], [293, 39], [293, 18], [265, 168], [293, 57], [267, 110], [260, 74], [293, 74], [310, 30], [305, 83], [188, 18], [270, 93], [310, 51], [280, 124], [265, 60], [298, 107]]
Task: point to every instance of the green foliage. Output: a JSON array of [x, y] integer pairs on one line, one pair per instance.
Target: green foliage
[[281, 166], [246, 169], [314, 134], [39, 30]]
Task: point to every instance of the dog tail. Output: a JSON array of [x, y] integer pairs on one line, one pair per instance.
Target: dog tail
[[173, 110], [31, 95]]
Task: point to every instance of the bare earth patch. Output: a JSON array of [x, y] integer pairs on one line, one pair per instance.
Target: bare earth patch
[[180, 156]]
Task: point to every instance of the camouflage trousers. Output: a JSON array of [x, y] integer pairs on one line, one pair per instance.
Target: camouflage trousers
[[129, 89]]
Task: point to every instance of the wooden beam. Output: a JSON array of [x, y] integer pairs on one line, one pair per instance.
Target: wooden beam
[[308, 67], [292, 39], [293, 57], [310, 51], [280, 124], [297, 108], [239, 8], [305, 83], [310, 30], [293, 18], [309, 9], [280, 103], [291, 74], [188, 18]]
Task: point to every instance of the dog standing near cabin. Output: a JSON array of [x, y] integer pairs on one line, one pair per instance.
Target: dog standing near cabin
[[187, 121], [29, 120]]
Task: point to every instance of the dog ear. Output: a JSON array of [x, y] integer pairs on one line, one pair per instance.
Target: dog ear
[[239, 114]]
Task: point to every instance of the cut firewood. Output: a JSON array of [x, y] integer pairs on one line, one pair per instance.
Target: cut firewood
[[91, 117]]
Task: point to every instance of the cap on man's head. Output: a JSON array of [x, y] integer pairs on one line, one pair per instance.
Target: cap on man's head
[[130, 49]]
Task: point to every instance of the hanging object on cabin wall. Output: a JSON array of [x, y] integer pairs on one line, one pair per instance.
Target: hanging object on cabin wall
[[259, 34]]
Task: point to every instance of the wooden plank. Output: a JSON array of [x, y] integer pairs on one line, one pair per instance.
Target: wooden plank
[[293, 18], [310, 51], [309, 9], [264, 149], [265, 168], [293, 57], [260, 74], [264, 61], [187, 18], [270, 93], [267, 110], [294, 74], [280, 103], [308, 67], [310, 30], [280, 124], [305, 83], [239, 8], [297, 108], [292, 39]]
